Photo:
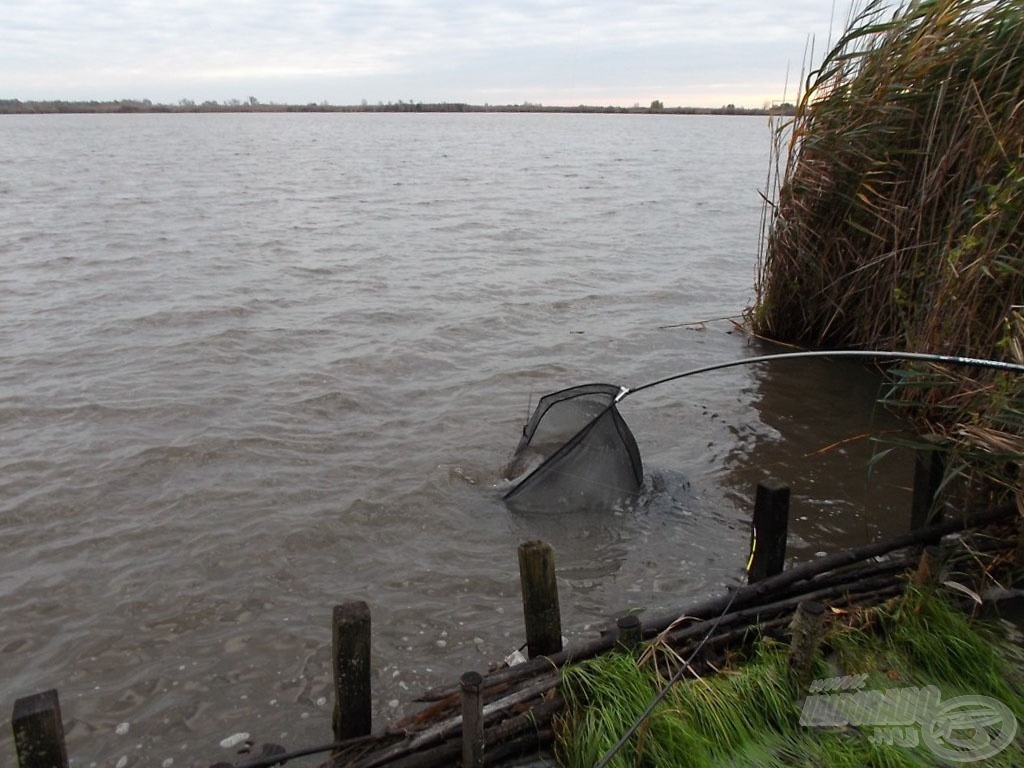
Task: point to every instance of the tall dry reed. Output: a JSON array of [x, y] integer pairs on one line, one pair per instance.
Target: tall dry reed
[[897, 219]]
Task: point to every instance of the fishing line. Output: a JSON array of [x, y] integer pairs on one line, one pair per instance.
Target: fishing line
[[617, 747], [611, 753]]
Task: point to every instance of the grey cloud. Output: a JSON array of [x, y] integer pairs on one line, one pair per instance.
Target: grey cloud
[[449, 45]]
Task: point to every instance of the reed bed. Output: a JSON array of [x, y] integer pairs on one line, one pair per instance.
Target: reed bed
[[897, 213]]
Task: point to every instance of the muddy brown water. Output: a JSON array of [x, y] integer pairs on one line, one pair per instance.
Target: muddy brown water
[[255, 365]]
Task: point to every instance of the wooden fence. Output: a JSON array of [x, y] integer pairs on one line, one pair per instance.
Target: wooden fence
[[484, 720]]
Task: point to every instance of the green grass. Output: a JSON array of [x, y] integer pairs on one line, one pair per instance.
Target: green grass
[[748, 715]]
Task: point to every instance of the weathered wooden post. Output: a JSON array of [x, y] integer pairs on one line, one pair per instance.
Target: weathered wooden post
[[540, 598], [771, 526], [472, 720], [807, 630], [39, 731], [929, 471], [1019, 552], [631, 631], [928, 566], [350, 635]]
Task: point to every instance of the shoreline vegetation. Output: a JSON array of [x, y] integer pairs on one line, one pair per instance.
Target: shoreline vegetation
[[252, 104], [878, 664], [897, 220], [749, 708]]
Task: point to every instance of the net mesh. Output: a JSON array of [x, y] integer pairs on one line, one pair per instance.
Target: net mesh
[[576, 453]]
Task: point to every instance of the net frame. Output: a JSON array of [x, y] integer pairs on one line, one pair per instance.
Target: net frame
[[550, 484]]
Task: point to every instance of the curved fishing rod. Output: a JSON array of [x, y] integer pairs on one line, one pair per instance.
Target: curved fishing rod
[[926, 357], [879, 355]]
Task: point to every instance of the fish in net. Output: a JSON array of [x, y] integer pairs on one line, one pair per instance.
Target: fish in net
[[576, 453]]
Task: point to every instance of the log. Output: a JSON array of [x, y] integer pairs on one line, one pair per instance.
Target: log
[[758, 612], [434, 746], [848, 576], [794, 579], [439, 732], [444, 749], [524, 745], [798, 573], [755, 618]]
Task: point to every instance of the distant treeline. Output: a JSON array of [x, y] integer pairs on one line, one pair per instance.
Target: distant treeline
[[17, 107]]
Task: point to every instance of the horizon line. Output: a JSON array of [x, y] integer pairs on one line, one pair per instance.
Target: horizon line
[[36, 106]]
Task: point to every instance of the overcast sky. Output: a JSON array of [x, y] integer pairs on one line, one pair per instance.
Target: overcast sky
[[553, 52]]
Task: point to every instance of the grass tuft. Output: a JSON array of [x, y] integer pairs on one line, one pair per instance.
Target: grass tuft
[[748, 714]]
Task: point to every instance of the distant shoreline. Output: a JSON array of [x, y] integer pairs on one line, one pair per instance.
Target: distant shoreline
[[131, 106]]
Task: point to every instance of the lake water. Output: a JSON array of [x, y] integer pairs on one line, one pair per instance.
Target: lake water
[[252, 366]]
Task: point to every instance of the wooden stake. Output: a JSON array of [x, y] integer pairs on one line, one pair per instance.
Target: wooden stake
[[540, 598], [39, 731], [807, 629], [1019, 553], [631, 631], [472, 720], [929, 471], [799, 579], [351, 661], [771, 525], [928, 566]]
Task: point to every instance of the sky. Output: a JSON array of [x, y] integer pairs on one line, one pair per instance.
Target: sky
[[706, 53]]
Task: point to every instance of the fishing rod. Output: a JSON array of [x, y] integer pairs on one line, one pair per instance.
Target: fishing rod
[[925, 357]]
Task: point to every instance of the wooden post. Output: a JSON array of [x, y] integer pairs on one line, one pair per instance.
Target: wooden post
[[631, 631], [928, 566], [472, 720], [1019, 553], [39, 731], [350, 635], [929, 470], [771, 525], [807, 629], [540, 598]]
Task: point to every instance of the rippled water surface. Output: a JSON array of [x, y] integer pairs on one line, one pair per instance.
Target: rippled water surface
[[252, 366]]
